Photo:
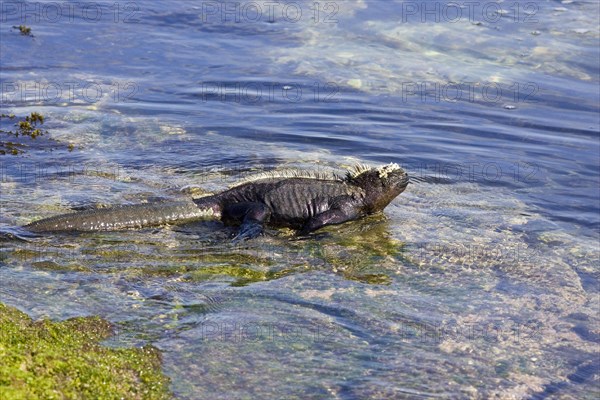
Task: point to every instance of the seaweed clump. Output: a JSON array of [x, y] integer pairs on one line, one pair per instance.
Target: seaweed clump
[[30, 126], [53, 360], [25, 30]]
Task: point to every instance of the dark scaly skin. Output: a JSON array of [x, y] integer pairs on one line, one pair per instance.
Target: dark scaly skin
[[121, 217], [306, 204]]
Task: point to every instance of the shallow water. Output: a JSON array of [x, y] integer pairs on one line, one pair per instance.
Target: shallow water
[[480, 280]]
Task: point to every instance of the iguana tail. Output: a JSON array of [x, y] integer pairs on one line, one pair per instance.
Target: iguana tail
[[126, 217]]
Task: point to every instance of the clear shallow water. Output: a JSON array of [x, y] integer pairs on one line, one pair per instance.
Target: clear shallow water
[[480, 280]]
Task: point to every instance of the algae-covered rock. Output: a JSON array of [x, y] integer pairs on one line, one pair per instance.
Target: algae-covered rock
[[64, 360]]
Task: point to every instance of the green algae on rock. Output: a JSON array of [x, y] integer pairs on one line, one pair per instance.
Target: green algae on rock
[[52, 360]]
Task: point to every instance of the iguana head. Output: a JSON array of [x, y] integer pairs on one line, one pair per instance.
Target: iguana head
[[381, 185]]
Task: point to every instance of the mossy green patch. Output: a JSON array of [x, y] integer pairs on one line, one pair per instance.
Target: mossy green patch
[[362, 251], [372, 279], [243, 275], [64, 360], [53, 266]]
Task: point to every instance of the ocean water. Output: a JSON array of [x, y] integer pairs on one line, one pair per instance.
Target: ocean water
[[480, 280]]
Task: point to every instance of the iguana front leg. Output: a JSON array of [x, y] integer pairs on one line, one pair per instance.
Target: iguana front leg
[[329, 217], [252, 216]]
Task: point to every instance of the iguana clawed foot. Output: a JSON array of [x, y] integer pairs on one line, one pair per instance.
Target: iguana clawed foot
[[248, 230]]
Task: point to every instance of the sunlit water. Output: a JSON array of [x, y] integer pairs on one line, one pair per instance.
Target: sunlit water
[[480, 280]]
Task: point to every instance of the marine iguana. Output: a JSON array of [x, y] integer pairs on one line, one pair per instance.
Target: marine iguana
[[305, 201]]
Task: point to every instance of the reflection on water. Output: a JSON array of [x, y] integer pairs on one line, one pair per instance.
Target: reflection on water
[[479, 280]]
